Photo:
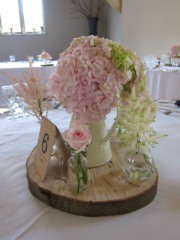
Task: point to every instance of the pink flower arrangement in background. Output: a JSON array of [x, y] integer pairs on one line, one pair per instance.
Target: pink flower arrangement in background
[[175, 50], [169, 55], [11, 30], [78, 136], [86, 81], [45, 56]]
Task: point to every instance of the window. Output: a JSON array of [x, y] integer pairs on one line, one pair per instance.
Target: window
[[18, 14], [33, 17], [9, 11]]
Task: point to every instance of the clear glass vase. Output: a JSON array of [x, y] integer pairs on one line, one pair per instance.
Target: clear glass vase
[[77, 175], [138, 165], [47, 61]]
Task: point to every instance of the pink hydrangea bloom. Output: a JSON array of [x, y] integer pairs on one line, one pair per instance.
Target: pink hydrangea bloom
[[86, 81], [45, 56], [175, 50]]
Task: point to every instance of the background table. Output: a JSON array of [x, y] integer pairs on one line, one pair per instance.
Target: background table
[[25, 217], [16, 69], [163, 84]]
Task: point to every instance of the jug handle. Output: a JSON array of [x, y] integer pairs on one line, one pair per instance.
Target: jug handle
[[114, 126]]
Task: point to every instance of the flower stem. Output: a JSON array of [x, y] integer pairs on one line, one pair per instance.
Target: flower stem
[[77, 171], [40, 108]]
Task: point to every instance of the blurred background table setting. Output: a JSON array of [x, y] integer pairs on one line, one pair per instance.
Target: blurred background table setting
[[44, 64], [14, 107], [162, 76], [168, 106]]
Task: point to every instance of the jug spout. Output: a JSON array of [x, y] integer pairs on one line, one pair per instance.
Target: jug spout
[[114, 126]]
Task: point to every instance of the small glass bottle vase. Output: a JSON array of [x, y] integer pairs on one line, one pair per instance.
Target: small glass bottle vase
[[77, 175], [138, 165], [47, 61]]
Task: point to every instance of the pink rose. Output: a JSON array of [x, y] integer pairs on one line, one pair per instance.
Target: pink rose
[[78, 136]]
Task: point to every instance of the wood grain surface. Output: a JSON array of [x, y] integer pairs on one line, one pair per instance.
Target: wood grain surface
[[109, 190]]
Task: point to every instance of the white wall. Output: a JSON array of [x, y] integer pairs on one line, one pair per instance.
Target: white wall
[[144, 26], [60, 31], [150, 26], [113, 24]]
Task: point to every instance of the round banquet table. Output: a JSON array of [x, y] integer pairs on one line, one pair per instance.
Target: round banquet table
[[163, 83], [16, 69], [25, 217]]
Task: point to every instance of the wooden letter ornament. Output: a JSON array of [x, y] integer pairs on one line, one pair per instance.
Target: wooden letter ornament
[[48, 136]]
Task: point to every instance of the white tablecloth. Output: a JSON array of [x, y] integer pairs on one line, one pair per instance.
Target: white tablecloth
[[22, 216], [163, 84], [17, 68]]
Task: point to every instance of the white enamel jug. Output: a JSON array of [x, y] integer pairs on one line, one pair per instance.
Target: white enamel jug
[[99, 151]]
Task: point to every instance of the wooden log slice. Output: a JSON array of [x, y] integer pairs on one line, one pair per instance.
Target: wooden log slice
[[109, 190]]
